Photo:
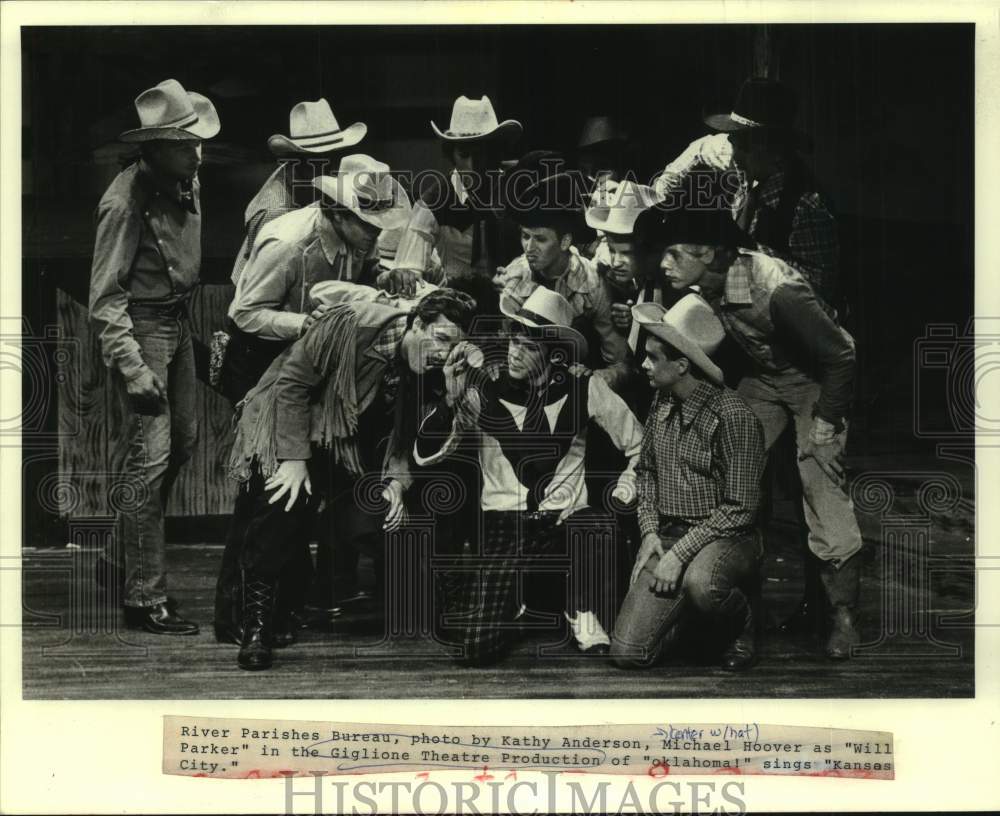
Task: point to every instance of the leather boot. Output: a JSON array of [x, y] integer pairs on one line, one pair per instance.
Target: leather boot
[[842, 589], [809, 618], [228, 616], [742, 652], [258, 612], [285, 628]]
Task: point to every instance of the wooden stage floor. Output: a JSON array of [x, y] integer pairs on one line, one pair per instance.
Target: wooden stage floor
[[920, 656]]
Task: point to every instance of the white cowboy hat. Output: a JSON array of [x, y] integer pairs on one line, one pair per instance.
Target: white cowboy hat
[[690, 326], [167, 111], [549, 315], [365, 187], [615, 209], [313, 128], [475, 119]]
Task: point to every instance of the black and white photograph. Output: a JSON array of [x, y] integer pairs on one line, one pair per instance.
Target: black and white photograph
[[498, 361]]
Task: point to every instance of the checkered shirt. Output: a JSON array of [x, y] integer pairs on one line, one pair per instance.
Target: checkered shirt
[[387, 343], [701, 463]]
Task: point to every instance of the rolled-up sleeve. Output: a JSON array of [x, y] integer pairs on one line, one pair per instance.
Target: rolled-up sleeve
[[269, 275], [119, 228]]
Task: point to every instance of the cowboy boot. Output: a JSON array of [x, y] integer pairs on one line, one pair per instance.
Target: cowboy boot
[[285, 625], [742, 652], [258, 611], [842, 589], [809, 617], [228, 622]]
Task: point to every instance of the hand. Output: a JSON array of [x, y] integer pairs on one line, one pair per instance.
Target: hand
[[651, 545], [579, 370], [829, 457], [624, 493], [146, 393], [393, 494], [291, 476], [717, 151], [621, 316], [462, 357], [402, 282], [668, 573], [500, 279], [313, 316]]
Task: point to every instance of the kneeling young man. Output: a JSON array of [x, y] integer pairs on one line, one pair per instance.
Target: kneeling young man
[[531, 419], [698, 480]]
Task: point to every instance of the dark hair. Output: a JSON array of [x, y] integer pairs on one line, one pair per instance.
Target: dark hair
[[456, 306], [673, 353], [558, 353]]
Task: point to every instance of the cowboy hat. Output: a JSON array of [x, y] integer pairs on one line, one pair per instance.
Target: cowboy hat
[[690, 326], [762, 105], [554, 201], [475, 119], [167, 111], [548, 316], [313, 128], [614, 209], [365, 187], [601, 130]]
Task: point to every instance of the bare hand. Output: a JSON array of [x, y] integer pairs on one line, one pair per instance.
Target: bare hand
[[579, 370], [621, 316], [828, 457], [668, 573], [402, 282], [393, 494], [291, 476], [146, 393], [650, 544], [500, 279], [462, 357]]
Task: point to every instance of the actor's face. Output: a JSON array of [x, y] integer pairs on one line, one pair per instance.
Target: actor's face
[[359, 235], [525, 358], [178, 160], [624, 260], [685, 265], [543, 247], [432, 343], [662, 372]]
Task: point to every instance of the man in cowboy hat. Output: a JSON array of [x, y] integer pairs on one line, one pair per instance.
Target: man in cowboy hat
[[530, 415], [456, 219], [802, 369], [698, 483], [147, 257], [314, 142], [549, 213], [332, 240], [333, 407]]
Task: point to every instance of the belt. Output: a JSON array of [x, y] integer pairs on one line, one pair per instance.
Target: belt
[[534, 517], [672, 527], [178, 309]]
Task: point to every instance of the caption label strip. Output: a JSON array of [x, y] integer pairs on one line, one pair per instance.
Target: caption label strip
[[224, 748]]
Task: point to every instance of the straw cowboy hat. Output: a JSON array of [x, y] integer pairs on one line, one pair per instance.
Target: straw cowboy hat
[[475, 120], [167, 111], [548, 316], [614, 210], [313, 128], [365, 187], [690, 326]]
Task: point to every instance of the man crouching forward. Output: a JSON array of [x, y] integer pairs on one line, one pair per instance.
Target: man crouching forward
[[698, 481]]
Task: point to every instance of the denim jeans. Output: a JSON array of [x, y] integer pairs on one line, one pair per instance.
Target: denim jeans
[[157, 447], [717, 582], [834, 535]]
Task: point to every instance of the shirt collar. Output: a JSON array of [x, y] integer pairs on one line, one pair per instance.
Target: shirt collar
[[333, 245], [576, 276], [691, 407], [456, 183]]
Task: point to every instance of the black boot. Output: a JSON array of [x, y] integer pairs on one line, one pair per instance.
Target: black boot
[[809, 618], [229, 614], [842, 589], [258, 612], [742, 652], [285, 623]]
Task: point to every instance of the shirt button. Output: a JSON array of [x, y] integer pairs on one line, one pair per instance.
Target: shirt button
[[170, 269], [146, 213], [159, 241]]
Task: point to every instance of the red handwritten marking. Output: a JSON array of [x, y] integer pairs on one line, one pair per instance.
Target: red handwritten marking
[[734, 770], [844, 774], [508, 776], [279, 774], [485, 775], [202, 775], [664, 770], [254, 774]]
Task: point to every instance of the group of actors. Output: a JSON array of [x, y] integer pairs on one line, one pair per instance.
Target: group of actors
[[595, 362]]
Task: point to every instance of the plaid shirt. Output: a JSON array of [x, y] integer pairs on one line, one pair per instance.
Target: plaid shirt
[[387, 344], [700, 463]]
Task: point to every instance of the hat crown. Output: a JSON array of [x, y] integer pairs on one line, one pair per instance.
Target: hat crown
[[165, 105], [369, 179], [312, 119], [766, 103], [550, 306], [693, 318], [599, 129], [472, 117], [615, 208]]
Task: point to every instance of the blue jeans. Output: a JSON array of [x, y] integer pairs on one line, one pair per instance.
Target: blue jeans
[[717, 582], [776, 399], [157, 447]]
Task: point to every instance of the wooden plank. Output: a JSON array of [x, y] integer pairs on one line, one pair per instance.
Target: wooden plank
[[82, 391]]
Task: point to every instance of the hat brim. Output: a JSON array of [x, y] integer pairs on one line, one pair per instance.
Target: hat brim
[[206, 127], [724, 123], [508, 130], [649, 317], [398, 215], [281, 145], [509, 307]]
